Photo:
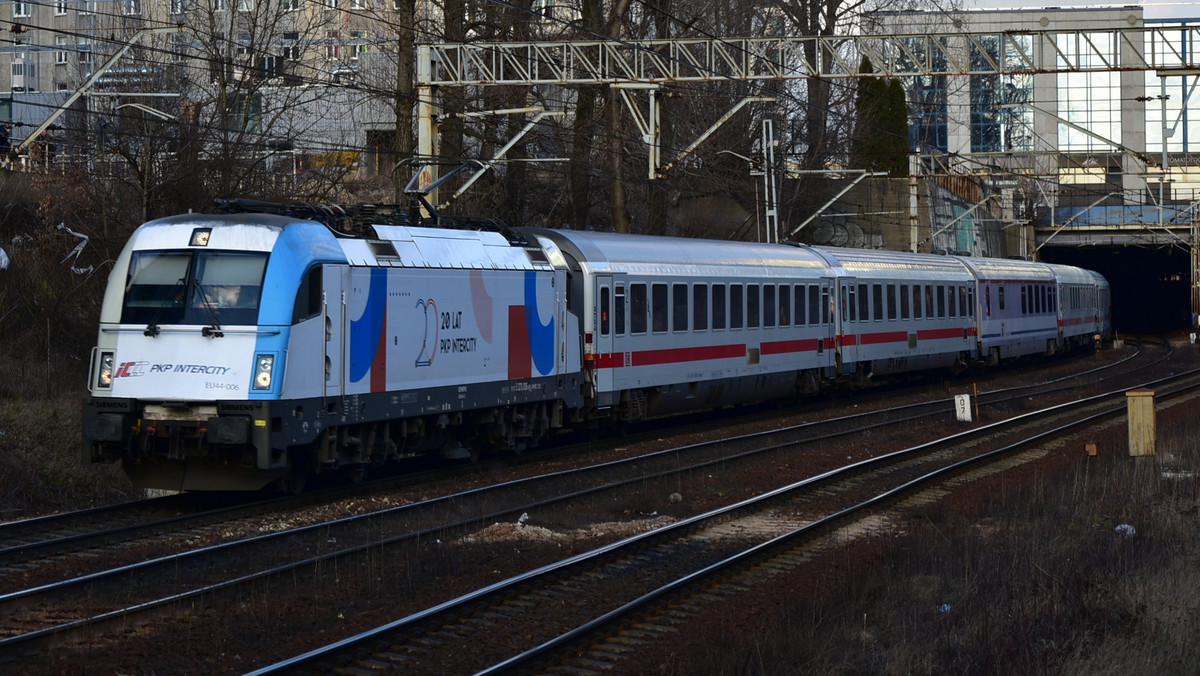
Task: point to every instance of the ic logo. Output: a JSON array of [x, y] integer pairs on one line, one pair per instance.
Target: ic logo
[[130, 369]]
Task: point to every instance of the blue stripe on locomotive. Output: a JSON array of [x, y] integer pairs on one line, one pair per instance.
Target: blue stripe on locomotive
[[299, 247], [541, 336], [366, 331]]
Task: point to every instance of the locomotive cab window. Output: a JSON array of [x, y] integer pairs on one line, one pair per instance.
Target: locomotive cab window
[[308, 298], [193, 287]]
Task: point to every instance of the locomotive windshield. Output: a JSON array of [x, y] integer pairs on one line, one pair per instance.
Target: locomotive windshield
[[193, 287]]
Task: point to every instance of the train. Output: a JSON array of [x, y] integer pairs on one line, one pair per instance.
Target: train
[[263, 344]]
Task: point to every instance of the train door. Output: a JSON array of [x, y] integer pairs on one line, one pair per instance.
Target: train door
[[828, 319], [603, 330], [336, 280], [848, 329]]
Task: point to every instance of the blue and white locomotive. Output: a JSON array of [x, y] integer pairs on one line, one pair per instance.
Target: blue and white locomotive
[[242, 350]]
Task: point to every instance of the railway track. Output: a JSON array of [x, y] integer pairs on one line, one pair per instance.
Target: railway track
[[585, 613], [50, 614], [27, 545]]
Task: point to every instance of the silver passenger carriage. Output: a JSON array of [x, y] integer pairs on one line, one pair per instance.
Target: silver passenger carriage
[[673, 324]]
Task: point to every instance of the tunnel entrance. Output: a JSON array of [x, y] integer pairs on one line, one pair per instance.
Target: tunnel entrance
[[1150, 286]]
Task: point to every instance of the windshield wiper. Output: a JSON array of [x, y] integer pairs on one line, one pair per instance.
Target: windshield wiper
[[152, 328], [213, 330]]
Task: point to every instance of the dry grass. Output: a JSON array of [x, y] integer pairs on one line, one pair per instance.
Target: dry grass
[[1032, 575], [40, 460]]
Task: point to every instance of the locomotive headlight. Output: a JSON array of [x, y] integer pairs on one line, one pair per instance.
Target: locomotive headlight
[[264, 367], [104, 376]]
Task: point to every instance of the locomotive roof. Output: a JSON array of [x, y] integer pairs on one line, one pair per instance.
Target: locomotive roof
[[414, 247]]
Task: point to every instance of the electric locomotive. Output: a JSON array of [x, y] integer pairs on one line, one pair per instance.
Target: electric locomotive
[[240, 350]]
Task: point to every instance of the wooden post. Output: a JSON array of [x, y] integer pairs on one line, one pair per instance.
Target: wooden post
[[1142, 428]]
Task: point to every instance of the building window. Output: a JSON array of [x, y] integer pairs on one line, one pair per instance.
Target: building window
[[332, 48], [132, 7], [60, 7], [245, 5], [1001, 120], [1092, 101], [61, 43], [330, 4], [179, 6], [20, 9], [291, 5], [87, 6], [219, 5], [358, 4], [179, 47]]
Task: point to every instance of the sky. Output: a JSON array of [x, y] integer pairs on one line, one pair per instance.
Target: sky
[[1151, 9]]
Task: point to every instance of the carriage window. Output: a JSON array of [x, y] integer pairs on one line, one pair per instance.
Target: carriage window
[[619, 312], [1024, 303], [801, 314], [605, 320], [752, 306], [916, 297], [737, 313], [718, 306], [941, 301], [864, 312], [929, 306], [679, 307], [877, 302], [1000, 297], [849, 306], [700, 307], [785, 305], [638, 308], [658, 293], [962, 301], [970, 301], [891, 301], [768, 305], [950, 300], [818, 302], [905, 302]]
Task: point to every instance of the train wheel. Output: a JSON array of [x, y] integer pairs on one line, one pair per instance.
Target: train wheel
[[300, 470]]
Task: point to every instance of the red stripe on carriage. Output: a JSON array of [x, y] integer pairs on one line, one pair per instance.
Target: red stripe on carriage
[[677, 355]]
